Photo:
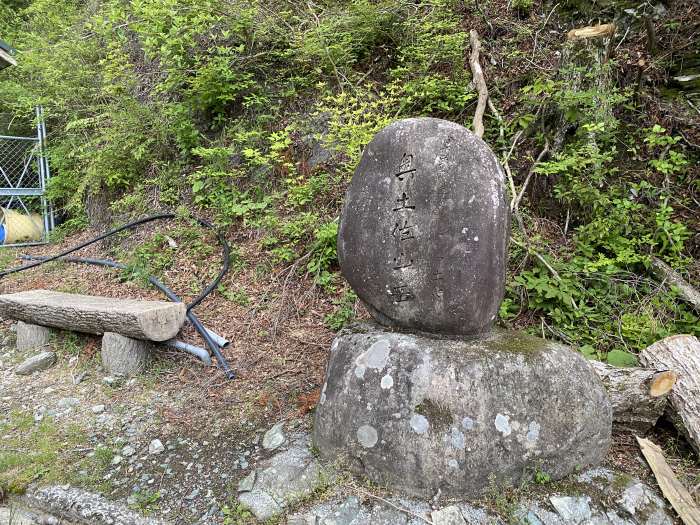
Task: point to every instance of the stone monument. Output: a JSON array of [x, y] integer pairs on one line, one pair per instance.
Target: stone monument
[[431, 398]]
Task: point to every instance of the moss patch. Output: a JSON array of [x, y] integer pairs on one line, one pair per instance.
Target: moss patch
[[620, 482], [437, 415]]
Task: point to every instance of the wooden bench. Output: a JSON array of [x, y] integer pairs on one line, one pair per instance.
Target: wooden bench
[[125, 323]]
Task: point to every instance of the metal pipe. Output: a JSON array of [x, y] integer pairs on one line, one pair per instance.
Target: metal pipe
[[6, 137], [219, 340], [43, 166], [196, 351]]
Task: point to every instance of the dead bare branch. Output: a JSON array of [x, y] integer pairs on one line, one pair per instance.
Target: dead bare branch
[[516, 200], [479, 83]]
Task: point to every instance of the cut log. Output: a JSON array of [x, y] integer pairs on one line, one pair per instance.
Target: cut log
[[686, 291], [151, 320], [599, 31], [680, 353], [638, 395], [32, 336]]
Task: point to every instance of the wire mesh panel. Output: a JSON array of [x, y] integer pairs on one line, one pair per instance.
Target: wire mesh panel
[[25, 216], [19, 164]]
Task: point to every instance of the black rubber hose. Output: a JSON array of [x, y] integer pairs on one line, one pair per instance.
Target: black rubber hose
[[168, 292], [87, 243], [224, 246]]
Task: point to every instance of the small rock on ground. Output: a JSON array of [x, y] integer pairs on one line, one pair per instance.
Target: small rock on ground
[[282, 480], [247, 483], [644, 504], [155, 447], [274, 438], [572, 509], [451, 515], [37, 363]]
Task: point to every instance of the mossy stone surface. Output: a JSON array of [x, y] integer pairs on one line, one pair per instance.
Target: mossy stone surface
[[422, 414]]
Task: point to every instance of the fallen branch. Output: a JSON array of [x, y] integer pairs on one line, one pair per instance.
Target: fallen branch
[[506, 166], [674, 491], [479, 83], [537, 33], [532, 251], [638, 395], [685, 290], [483, 15], [497, 116]]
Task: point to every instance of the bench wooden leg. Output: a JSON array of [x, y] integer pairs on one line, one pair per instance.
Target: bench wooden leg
[[32, 336], [123, 356]]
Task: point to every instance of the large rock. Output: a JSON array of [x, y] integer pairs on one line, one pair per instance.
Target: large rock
[[32, 336], [280, 481], [80, 506], [422, 414], [152, 320], [123, 356], [423, 232]]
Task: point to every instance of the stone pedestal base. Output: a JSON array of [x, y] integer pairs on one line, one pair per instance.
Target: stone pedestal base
[[420, 414]]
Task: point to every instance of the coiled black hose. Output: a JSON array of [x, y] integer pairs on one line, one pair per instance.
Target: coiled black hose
[[213, 347]]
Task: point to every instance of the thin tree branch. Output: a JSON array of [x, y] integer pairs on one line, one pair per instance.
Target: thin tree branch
[[516, 200], [479, 83]]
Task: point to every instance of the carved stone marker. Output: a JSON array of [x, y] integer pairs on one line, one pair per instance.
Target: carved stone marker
[[423, 232], [422, 241]]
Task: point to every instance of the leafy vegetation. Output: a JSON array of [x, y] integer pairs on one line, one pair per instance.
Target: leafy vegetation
[[256, 113]]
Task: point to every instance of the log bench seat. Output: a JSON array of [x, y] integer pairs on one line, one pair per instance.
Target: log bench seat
[[127, 324]]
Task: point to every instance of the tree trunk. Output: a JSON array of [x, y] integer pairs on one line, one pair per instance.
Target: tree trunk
[[581, 70], [680, 353], [638, 395]]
